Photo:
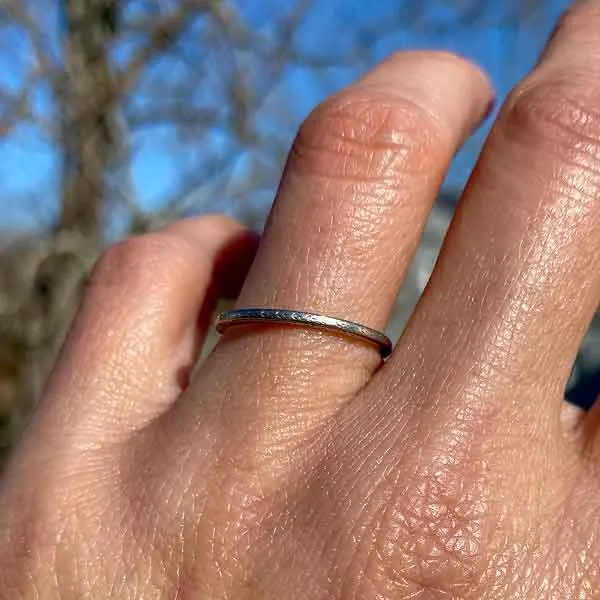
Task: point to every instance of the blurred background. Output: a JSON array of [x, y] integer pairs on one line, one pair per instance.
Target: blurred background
[[118, 116]]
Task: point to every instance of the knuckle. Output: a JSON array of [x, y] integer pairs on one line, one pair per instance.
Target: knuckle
[[439, 524], [444, 58], [366, 134], [178, 505], [220, 221], [564, 22], [578, 18], [558, 116], [142, 259]]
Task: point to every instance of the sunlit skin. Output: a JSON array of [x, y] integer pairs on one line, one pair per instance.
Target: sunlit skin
[[294, 463]]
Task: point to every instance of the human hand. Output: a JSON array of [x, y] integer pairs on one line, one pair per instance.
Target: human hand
[[293, 463]]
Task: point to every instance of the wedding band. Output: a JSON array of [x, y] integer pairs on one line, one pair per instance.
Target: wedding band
[[297, 317]]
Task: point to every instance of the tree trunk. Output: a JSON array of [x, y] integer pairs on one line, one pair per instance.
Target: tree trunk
[[89, 100]]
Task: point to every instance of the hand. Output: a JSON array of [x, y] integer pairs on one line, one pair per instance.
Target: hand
[[293, 463]]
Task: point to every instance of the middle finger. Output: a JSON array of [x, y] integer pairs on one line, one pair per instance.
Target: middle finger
[[517, 281]]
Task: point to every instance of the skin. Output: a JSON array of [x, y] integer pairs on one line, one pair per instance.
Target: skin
[[293, 463]]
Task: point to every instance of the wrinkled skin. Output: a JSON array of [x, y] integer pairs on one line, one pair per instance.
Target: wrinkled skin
[[293, 463]]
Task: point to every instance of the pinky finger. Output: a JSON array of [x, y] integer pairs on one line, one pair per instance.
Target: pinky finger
[[141, 324]]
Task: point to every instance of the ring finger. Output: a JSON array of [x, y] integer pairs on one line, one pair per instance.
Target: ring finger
[[359, 183]]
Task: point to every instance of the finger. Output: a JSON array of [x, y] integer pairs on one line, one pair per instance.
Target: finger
[[517, 281], [357, 190], [138, 329]]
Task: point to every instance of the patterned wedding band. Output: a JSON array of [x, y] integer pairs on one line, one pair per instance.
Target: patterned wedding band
[[276, 316]]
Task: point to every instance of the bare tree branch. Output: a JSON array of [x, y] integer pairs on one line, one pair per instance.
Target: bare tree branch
[[161, 114], [44, 60], [160, 35]]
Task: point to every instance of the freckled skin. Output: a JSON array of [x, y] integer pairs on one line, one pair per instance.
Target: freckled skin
[[293, 463]]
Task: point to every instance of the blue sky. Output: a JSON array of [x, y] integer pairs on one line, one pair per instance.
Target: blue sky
[[504, 44]]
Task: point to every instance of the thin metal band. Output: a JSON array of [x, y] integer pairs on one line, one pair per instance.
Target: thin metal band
[[297, 317]]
